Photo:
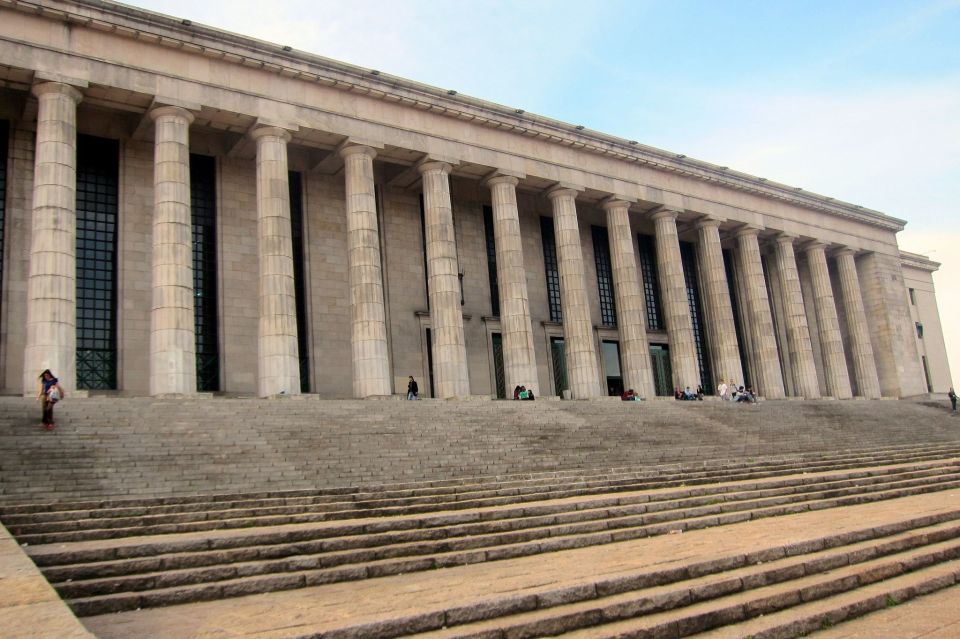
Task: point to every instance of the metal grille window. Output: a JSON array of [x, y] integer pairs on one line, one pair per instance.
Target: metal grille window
[[559, 356], [97, 195], [601, 255], [4, 128], [689, 259], [203, 208], [296, 234], [496, 340], [549, 241], [651, 285], [735, 306], [491, 261]]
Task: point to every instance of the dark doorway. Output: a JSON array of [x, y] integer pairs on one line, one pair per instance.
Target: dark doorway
[[559, 358], [662, 373], [430, 362], [497, 341], [611, 367]]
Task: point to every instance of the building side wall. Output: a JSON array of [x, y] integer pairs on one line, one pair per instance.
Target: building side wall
[[925, 311]]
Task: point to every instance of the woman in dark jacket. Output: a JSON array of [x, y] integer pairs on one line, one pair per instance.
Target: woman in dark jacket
[[49, 393]]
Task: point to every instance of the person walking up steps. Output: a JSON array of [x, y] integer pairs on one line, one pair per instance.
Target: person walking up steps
[[49, 393]]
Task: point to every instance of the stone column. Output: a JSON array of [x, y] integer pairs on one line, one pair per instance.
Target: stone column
[[519, 358], [451, 378], [631, 307], [721, 331], [278, 361], [371, 364], [766, 362], [858, 330], [52, 284], [583, 370], [676, 305], [831, 343], [802, 364], [173, 361]]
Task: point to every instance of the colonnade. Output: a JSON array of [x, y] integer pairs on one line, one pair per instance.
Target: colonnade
[[51, 307]]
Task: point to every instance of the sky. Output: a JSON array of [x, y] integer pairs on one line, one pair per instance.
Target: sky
[[856, 99]]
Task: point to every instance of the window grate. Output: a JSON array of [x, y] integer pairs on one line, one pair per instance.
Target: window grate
[[499, 374], [689, 259], [549, 241], [97, 207], [651, 285], [296, 234], [601, 255], [203, 208]]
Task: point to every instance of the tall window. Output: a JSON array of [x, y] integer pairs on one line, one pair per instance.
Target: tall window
[[735, 306], [296, 230], [689, 259], [423, 248], [4, 141], [601, 255], [651, 285], [550, 265], [491, 261], [97, 195], [203, 208]]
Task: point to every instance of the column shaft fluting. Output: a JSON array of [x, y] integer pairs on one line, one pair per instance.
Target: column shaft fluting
[[278, 361], [371, 365], [766, 363], [631, 307], [676, 304], [719, 308], [519, 358], [583, 371], [858, 330], [802, 364], [51, 340], [831, 342], [173, 362], [451, 377]]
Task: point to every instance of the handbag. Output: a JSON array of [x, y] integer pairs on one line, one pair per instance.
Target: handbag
[[53, 395]]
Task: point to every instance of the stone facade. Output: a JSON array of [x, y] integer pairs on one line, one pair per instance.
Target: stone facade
[[414, 242]]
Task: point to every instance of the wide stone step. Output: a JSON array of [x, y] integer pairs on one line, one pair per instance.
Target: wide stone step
[[91, 526], [340, 565], [629, 478], [706, 496]]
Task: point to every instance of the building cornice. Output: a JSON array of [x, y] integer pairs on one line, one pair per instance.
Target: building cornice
[[140, 24], [915, 260]]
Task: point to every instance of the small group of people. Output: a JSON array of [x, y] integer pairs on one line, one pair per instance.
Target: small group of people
[[523, 393], [688, 395], [732, 392], [629, 396]]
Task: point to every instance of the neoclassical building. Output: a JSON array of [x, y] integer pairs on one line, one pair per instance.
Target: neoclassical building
[[187, 210]]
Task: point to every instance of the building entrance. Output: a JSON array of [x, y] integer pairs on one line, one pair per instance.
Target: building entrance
[[611, 367], [662, 372], [559, 358]]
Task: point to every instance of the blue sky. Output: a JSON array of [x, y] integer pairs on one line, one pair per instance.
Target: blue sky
[[855, 99]]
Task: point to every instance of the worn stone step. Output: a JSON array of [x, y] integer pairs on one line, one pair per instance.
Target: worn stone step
[[398, 558], [592, 605], [366, 501], [34, 534]]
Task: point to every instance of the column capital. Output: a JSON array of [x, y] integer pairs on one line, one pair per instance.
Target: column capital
[[160, 111], [746, 230], [561, 190], [844, 251], [785, 238], [615, 202], [355, 149], [814, 245], [708, 221], [499, 178], [663, 213], [433, 166], [270, 131], [57, 87]]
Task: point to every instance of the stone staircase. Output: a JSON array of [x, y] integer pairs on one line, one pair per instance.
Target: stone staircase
[[137, 537]]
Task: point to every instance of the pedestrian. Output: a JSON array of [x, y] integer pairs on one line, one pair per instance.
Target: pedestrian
[[516, 392], [953, 399], [722, 391], [412, 389], [49, 393], [731, 389]]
